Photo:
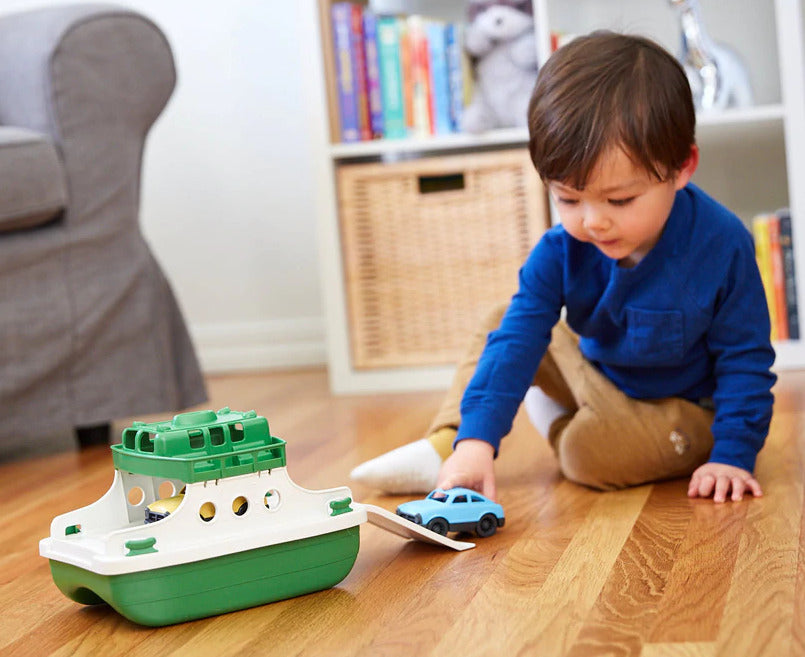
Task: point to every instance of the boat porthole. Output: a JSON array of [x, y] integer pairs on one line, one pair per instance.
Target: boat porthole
[[240, 505], [166, 489], [207, 511], [136, 496], [272, 500]]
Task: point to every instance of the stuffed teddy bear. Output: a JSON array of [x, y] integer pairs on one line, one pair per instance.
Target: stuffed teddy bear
[[500, 38]]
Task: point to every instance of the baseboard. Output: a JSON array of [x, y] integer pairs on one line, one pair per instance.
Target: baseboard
[[272, 344]]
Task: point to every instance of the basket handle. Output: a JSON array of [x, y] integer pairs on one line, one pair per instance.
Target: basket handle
[[447, 182]]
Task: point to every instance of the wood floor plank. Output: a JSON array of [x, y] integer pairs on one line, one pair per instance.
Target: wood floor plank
[[701, 574], [798, 628], [685, 649], [627, 607], [530, 616], [764, 580], [410, 571], [23, 570], [439, 602], [573, 573]]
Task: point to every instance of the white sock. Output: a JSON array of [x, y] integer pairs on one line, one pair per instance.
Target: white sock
[[542, 410], [412, 468]]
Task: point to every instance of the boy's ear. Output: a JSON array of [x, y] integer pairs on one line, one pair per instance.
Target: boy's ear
[[687, 169]]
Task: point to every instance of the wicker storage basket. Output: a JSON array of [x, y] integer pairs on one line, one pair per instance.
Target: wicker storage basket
[[429, 247]]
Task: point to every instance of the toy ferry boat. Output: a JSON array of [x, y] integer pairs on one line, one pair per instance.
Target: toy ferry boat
[[240, 533]]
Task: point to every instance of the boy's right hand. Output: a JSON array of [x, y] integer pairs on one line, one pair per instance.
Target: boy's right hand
[[471, 465]]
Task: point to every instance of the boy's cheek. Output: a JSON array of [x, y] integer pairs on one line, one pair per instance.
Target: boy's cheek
[[574, 229]]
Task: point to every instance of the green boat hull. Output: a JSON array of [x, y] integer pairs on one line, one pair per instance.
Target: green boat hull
[[184, 592]]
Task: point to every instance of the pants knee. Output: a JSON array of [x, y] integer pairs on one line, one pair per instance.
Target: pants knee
[[608, 454], [584, 462]]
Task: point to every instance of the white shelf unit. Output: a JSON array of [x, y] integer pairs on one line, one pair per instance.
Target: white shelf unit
[[753, 159]]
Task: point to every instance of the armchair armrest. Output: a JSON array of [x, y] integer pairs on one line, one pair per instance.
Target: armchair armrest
[[82, 66], [33, 190]]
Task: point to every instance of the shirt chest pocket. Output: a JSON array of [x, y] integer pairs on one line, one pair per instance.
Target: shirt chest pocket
[[655, 336]]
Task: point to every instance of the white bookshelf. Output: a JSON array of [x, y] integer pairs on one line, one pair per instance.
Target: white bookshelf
[[381, 147], [753, 159]]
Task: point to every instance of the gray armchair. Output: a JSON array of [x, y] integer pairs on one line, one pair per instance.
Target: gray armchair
[[89, 328]]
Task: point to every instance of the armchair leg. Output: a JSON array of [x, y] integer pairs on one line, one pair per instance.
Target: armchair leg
[[98, 434]]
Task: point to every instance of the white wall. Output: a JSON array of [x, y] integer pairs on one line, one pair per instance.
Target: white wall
[[228, 195]]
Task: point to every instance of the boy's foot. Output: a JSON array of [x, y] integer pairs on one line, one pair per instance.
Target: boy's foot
[[542, 410], [412, 468]]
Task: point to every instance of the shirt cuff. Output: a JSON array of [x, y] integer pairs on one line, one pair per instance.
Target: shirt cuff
[[734, 452], [479, 430]]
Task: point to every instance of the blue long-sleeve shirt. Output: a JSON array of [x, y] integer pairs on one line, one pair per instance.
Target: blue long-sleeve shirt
[[689, 320]]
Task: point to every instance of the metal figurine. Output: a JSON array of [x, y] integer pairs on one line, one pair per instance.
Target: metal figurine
[[717, 76]]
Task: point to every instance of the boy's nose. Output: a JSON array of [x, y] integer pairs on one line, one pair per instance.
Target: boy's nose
[[595, 220]]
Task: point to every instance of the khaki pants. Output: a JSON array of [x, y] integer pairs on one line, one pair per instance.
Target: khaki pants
[[607, 440]]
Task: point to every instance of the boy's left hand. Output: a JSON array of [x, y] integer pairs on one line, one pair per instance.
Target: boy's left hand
[[718, 479]]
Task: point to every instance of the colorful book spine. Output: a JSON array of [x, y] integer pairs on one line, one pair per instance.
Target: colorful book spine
[[760, 230], [469, 75], [789, 271], [359, 73], [391, 77], [407, 63], [455, 74], [439, 78], [341, 16], [397, 77], [427, 79], [420, 68], [778, 277], [370, 49]]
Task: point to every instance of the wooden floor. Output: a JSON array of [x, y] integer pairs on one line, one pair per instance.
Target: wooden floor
[[574, 572]]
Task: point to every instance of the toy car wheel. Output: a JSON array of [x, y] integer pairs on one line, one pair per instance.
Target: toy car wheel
[[438, 525], [486, 526]]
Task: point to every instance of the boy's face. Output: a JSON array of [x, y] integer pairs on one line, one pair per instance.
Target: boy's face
[[622, 209]]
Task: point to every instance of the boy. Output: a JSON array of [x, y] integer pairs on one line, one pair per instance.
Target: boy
[[670, 375]]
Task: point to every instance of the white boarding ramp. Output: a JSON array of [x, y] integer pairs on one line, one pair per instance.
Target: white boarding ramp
[[393, 523]]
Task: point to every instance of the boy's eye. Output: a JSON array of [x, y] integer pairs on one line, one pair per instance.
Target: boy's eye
[[620, 202], [567, 201]]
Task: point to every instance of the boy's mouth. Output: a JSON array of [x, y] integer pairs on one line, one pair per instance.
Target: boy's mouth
[[607, 243]]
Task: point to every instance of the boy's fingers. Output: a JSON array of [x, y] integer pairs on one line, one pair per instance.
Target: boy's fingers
[[454, 482], [448, 482], [722, 488], [753, 485], [489, 488], [706, 484], [738, 488]]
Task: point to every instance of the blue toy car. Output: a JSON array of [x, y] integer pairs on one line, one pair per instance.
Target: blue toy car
[[457, 509]]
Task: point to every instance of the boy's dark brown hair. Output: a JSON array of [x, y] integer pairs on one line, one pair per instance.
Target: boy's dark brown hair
[[603, 90]]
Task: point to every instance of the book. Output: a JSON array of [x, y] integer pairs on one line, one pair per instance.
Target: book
[[391, 77], [397, 76], [407, 65], [420, 74], [777, 276], [789, 272], [468, 70], [359, 73], [760, 231], [370, 50], [454, 39], [341, 16], [439, 78]]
